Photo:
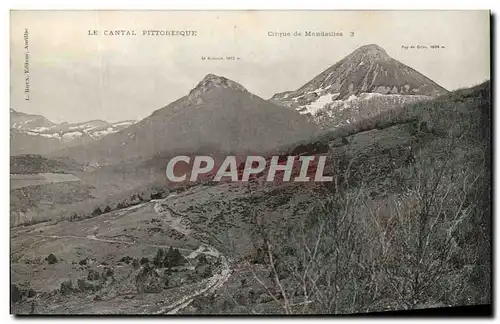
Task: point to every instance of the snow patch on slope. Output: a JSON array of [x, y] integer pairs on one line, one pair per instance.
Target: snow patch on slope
[[67, 137], [320, 103]]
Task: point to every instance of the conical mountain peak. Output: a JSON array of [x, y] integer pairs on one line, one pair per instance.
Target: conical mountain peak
[[357, 85], [368, 69]]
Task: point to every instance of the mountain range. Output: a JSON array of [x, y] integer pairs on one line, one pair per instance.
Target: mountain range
[[36, 134], [221, 115]]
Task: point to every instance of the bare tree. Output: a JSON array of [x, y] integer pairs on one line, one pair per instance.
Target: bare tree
[[410, 249]]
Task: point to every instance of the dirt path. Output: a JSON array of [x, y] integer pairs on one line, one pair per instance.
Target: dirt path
[[94, 238], [210, 284]]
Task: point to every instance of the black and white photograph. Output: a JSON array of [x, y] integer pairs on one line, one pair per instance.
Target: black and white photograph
[[250, 162]]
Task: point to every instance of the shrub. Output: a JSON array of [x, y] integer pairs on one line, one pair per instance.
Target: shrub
[[108, 272], [148, 281], [93, 275], [157, 195], [51, 259], [158, 259], [97, 211], [127, 259], [66, 287], [173, 258]]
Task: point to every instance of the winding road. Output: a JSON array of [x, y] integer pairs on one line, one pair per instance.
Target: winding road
[[94, 238], [182, 225], [210, 284]]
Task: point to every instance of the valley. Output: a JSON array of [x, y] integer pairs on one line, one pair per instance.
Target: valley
[[23, 180], [100, 243]]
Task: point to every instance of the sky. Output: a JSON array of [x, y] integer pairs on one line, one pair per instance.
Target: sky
[[75, 77]]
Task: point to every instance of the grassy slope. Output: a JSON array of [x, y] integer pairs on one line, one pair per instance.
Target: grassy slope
[[400, 228], [390, 206], [33, 163]]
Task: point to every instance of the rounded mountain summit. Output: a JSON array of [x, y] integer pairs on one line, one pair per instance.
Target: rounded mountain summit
[[217, 115]]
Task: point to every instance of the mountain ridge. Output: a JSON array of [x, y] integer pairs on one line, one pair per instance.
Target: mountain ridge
[[218, 113], [31, 133]]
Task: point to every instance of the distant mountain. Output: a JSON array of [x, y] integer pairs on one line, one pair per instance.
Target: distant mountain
[[26, 122], [218, 114], [35, 134], [346, 91]]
